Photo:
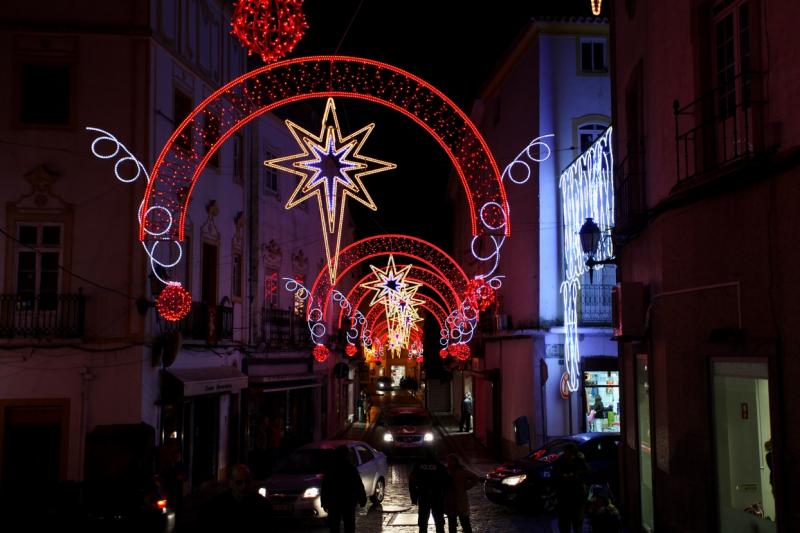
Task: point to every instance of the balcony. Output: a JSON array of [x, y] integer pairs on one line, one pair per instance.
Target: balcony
[[595, 305], [284, 330], [44, 315], [720, 129], [200, 324], [631, 209]]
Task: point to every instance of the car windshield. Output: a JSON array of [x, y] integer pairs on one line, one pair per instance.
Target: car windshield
[[409, 419], [311, 461], [550, 452]]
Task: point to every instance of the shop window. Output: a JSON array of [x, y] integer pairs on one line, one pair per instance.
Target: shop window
[[645, 441], [45, 94], [743, 446], [602, 400]]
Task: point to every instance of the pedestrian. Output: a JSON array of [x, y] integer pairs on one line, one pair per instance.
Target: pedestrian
[[597, 413], [466, 413], [569, 478], [362, 404], [341, 490], [456, 501], [427, 484], [239, 508]]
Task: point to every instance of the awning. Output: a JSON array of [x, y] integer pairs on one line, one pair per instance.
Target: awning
[[286, 382], [197, 381]]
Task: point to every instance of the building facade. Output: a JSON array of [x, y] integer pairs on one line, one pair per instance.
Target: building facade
[[84, 349], [555, 79], [707, 186]]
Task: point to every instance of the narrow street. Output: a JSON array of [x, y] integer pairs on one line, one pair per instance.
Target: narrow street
[[397, 514]]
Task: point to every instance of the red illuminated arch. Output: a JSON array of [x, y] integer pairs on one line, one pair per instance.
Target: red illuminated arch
[[381, 245], [245, 98]]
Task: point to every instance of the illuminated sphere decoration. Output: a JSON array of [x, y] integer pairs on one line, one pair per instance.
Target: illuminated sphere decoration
[[321, 353], [269, 28], [174, 302], [460, 351], [350, 350], [481, 293], [443, 353]]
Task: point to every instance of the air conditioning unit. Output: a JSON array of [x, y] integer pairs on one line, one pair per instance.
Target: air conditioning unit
[[627, 310]]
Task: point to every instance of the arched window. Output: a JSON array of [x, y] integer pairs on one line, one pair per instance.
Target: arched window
[[588, 133]]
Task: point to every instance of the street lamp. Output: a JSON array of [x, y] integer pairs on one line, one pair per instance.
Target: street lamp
[[591, 235]]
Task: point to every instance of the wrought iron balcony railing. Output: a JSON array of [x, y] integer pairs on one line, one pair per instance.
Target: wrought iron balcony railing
[[631, 207], [203, 323], [595, 305], [721, 127], [284, 329], [42, 315]]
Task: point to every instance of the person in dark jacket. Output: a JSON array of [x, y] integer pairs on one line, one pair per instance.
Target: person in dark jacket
[[569, 477], [456, 501], [239, 508], [427, 484], [466, 413], [341, 490]]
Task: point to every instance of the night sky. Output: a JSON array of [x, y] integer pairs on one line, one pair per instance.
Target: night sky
[[454, 49]]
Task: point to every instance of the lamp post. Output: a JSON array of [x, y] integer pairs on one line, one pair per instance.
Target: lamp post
[[590, 235]]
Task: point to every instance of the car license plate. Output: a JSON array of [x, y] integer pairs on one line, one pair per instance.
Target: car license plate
[[282, 507]]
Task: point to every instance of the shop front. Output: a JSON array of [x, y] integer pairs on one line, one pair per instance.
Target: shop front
[[601, 400], [200, 410]]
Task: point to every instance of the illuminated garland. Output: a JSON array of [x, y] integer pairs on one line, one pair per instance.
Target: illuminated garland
[[269, 28], [189, 149], [331, 169], [315, 327], [587, 190]]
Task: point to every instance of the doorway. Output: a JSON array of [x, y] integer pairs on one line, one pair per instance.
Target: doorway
[[743, 445]]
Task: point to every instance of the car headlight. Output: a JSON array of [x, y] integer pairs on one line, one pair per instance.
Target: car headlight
[[311, 492], [514, 480], [428, 437], [387, 437], [262, 492]]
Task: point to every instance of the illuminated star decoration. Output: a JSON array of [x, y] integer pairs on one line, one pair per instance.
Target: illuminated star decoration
[[331, 169], [397, 294]]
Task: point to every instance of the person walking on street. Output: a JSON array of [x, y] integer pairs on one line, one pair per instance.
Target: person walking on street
[[427, 484], [466, 413], [341, 490], [569, 477], [456, 501], [239, 508]]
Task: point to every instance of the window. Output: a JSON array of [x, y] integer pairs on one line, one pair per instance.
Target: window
[[732, 53], [236, 275], [37, 264], [210, 136], [588, 133], [364, 454], [593, 55], [602, 400], [45, 94], [271, 289], [238, 159], [208, 286], [270, 177], [181, 108]]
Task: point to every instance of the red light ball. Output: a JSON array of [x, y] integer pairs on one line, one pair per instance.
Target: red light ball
[[321, 353], [350, 350], [443, 353], [174, 302], [269, 28]]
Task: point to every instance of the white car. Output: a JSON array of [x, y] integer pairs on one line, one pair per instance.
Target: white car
[[294, 488]]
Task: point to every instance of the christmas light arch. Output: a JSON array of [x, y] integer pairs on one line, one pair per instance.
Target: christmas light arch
[[376, 316], [429, 279], [249, 96]]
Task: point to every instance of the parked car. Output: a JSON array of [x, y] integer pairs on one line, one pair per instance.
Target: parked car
[[526, 481], [406, 429], [294, 488]]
